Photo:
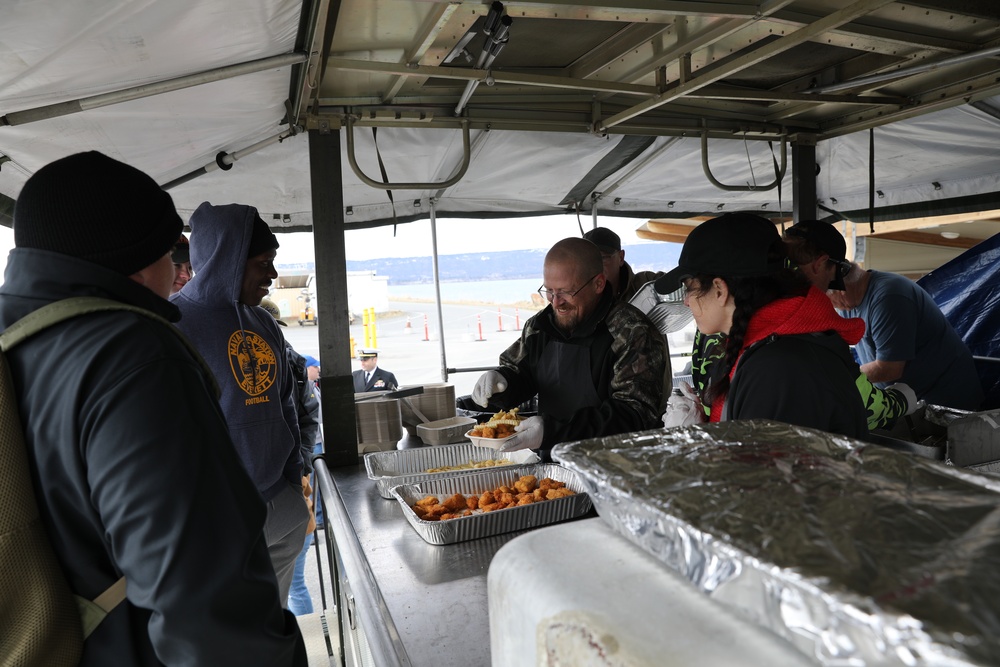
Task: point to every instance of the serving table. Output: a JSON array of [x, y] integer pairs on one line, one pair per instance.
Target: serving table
[[402, 601]]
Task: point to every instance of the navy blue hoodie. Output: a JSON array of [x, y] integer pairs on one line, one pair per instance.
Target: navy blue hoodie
[[243, 346]]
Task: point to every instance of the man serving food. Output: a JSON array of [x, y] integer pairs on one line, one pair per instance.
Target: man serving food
[[599, 366]]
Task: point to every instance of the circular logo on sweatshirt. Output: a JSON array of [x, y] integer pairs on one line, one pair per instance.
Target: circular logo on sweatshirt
[[253, 362]]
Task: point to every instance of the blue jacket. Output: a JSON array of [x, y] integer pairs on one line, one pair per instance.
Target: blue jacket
[[243, 346]]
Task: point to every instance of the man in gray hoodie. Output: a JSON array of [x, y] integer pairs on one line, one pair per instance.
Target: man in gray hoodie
[[233, 250]]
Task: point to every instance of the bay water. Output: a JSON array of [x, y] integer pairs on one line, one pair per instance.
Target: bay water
[[481, 291]]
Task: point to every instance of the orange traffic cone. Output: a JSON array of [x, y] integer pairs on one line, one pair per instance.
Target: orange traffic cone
[[408, 329]]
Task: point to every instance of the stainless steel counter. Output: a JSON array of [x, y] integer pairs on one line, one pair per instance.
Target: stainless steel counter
[[419, 604]]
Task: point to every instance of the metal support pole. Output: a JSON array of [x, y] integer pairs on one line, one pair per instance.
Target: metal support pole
[[868, 82], [742, 188], [225, 160], [150, 89], [803, 180], [437, 291], [336, 384], [371, 182]]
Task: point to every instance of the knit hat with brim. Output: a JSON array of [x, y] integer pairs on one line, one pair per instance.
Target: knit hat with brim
[[91, 206]]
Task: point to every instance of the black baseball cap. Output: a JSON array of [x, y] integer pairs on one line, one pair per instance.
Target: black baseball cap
[[734, 244], [823, 235], [605, 239], [825, 238]]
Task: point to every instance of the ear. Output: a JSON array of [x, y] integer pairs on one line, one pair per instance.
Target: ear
[[599, 282], [818, 264], [720, 290]]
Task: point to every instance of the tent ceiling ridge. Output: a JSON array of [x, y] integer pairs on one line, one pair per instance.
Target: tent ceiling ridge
[[743, 60], [722, 129]]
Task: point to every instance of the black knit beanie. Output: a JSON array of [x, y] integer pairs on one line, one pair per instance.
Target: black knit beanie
[[263, 239], [91, 206], [181, 253]]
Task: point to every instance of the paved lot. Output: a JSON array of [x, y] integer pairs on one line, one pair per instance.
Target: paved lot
[[405, 352]]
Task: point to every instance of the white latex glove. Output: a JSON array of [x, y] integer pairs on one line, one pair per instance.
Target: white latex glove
[[683, 409], [912, 404], [527, 435], [489, 383]]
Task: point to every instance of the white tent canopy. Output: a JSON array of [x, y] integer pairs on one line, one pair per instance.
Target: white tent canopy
[[83, 56]]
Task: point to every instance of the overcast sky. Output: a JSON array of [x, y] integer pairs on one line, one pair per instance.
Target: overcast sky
[[455, 236]]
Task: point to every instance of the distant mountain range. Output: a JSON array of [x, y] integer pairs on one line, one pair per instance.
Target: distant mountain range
[[504, 265]]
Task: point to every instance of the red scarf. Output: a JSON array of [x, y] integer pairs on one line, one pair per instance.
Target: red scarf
[[811, 313]]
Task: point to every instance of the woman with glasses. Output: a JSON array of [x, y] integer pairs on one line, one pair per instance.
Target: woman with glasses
[[786, 356], [599, 367]]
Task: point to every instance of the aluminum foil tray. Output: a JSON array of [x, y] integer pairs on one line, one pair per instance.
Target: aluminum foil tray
[[407, 466], [498, 522], [855, 553]]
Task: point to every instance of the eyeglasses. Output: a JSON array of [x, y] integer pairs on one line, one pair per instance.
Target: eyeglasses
[[843, 267], [550, 295]]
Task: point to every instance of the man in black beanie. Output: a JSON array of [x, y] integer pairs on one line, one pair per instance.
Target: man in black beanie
[[234, 251], [181, 257], [134, 471], [623, 280]]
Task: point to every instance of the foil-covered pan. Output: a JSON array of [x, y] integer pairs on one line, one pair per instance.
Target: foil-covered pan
[[410, 466], [855, 553], [497, 522]]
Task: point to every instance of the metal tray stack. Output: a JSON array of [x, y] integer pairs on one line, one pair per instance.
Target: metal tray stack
[[436, 402], [498, 522], [407, 466], [379, 423]]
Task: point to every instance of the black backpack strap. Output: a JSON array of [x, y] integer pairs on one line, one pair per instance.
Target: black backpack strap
[[65, 309]]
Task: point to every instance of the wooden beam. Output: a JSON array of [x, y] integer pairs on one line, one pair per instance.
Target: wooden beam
[[669, 228], [862, 228], [643, 233], [928, 239]]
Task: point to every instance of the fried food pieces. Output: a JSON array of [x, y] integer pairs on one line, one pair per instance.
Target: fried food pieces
[[488, 463], [501, 425], [526, 490]]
